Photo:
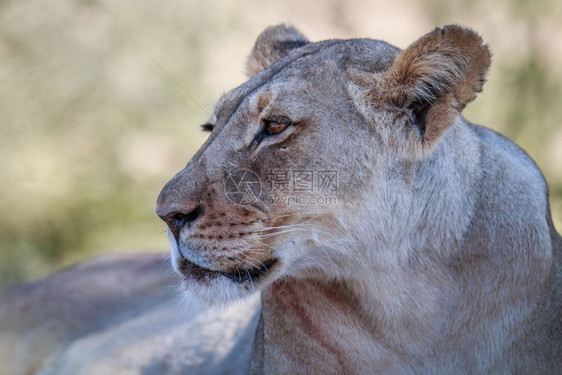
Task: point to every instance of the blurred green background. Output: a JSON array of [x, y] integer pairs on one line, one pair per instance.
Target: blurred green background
[[91, 128]]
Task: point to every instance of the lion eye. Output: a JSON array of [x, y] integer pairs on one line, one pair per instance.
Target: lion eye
[[275, 127], [271, 126]]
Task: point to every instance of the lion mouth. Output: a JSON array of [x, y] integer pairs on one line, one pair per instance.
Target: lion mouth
[[242, 275], [238, 275]]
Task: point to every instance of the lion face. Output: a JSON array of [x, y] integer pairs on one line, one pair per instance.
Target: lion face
[[291, 157]]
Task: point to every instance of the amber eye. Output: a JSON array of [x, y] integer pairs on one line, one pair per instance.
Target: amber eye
[[275, 127]]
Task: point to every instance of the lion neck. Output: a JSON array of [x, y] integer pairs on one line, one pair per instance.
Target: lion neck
[[324, 324], [394, 298], [325, 327]]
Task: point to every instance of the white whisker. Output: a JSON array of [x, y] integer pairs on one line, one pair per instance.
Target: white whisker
[[278, 233], [261, 265], [249, 276]]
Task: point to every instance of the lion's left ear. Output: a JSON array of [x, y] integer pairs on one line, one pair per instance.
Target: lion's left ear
[[435, 78], [272, 44]]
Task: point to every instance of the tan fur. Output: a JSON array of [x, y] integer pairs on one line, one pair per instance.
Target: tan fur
[[272, 44], [445, 68], [438, 255]]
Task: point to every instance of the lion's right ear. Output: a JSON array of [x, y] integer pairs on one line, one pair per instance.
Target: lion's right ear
[[272, 44]]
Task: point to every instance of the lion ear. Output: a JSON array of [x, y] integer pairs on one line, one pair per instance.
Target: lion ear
[[435, 78], [272, 44]]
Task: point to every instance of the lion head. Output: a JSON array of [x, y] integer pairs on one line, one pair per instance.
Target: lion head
[[319, 142]]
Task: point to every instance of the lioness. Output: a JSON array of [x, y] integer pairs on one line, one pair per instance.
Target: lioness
[[386, 234], [438, 255]]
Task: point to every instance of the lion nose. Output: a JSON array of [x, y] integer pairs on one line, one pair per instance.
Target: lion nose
[[176, 220]]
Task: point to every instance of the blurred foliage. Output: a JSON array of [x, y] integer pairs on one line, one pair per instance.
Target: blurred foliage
[[91, 128]]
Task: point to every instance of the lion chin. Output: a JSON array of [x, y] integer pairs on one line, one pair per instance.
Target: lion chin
[[205, 287]]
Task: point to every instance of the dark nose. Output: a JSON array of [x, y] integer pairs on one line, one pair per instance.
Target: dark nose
[[176, 220]]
